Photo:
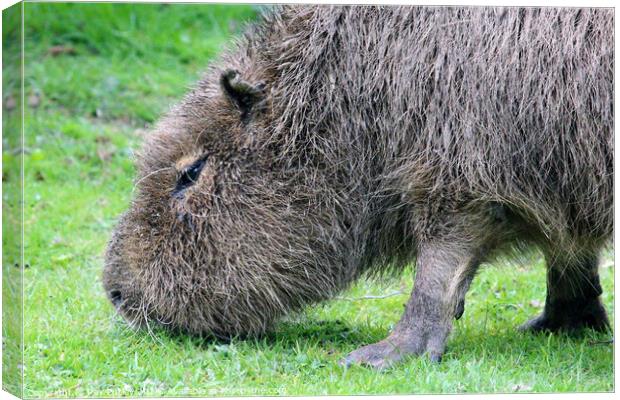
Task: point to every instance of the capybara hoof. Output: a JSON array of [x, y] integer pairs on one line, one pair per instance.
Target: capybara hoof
[[570, 320], [394, 349], [379, 355]]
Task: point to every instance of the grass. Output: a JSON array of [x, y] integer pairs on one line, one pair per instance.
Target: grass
[[119, 66], [12, 320]]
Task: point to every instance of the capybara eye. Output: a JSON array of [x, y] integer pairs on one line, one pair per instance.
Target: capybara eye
[[116, 297], [190, 175]]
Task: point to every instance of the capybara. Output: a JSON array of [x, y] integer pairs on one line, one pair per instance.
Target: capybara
[[332, 143]]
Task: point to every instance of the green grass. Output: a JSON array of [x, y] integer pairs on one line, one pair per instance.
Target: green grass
[[126, 65], [12, 320]]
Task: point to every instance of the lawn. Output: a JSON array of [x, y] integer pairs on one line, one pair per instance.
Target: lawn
[[97, 77]]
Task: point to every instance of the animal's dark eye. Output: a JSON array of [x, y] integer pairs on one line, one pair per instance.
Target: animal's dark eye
[[190, 175]]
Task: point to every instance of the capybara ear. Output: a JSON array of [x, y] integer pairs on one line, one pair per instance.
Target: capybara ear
[[242, 93]]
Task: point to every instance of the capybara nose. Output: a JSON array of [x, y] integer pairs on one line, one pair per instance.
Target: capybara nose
[[116, 297]]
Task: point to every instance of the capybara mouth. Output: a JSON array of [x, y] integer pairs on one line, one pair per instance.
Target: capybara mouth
[[120, 284], [119, 297]]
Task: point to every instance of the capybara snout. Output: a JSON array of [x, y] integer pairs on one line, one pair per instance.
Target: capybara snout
[[334, 142]]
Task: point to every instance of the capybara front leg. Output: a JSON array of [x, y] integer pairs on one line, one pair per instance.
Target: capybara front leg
[[441, 271], [573, 297]]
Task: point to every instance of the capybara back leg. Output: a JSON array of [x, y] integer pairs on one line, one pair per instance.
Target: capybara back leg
[[443, 273], [573, 297]]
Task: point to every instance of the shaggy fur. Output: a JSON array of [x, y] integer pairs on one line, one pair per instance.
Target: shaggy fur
[[337, 141]]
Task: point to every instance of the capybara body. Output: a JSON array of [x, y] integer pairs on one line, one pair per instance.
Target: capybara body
[[333, 142]]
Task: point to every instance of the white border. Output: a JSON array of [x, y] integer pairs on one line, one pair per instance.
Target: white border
[[550, 3]]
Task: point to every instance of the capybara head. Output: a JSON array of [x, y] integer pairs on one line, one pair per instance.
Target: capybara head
[[224, 234]]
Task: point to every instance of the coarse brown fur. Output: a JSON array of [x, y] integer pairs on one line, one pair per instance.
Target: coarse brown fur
[[331, 142]]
